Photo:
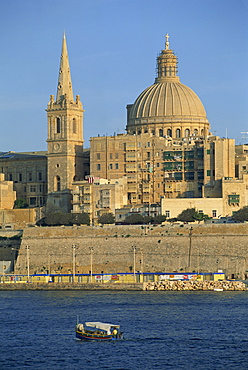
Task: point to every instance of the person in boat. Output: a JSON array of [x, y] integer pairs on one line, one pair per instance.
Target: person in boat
[[115, 333], [80, 327]]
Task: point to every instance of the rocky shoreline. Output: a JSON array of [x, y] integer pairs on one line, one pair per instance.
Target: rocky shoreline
[[196, 285]]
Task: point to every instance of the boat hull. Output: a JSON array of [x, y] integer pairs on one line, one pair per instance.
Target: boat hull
[[89, 336]]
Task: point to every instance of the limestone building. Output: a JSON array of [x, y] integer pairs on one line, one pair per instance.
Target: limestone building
[[45, 178], [167, 152]]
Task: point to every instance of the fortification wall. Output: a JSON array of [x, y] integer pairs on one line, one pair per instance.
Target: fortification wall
[[110, 249]]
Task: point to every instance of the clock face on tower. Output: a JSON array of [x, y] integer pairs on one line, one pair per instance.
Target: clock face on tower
[[56, 147]]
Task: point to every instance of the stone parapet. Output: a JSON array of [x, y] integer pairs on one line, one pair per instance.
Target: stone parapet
[[70, 286]]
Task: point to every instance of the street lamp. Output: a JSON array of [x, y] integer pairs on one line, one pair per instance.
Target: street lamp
[[73, 262], [91, 262], [134, 266], [142, 264], [3, 271], [27, 248], [190, 246]]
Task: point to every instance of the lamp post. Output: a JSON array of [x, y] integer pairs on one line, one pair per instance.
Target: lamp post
[[91, 262], [142, 264], [134, 265], [73, 262], [3, 271], [190, 246], [27, 248]]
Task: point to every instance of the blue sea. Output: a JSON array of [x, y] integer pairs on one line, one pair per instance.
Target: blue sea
[[162, 330]]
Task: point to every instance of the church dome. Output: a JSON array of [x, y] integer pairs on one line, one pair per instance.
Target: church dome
[[167, 104]]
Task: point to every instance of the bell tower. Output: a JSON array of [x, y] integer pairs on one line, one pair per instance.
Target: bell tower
[[65, 136]]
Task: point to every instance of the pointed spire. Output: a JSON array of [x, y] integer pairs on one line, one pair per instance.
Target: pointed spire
[[167, 64], [64, 90]]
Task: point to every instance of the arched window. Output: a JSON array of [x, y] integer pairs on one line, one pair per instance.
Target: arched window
[[203, 132], [178, 133], [169, 132], [195, 132], [74, 126], [57, 183], [58, 126], [187, 132], [161, 132]]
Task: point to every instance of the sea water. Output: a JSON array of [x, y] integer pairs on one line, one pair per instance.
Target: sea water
[[162, 330]]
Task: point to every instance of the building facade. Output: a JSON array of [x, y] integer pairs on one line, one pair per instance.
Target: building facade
[[167, 152]]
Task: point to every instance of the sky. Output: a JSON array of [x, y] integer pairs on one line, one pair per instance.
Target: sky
[[112, 46]]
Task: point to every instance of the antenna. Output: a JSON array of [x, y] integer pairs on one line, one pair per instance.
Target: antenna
[[245, 136]]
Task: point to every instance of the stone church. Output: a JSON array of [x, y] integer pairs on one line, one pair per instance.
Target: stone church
[[167, 155]]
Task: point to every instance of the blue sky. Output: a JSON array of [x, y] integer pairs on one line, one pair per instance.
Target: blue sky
[[112, 47]]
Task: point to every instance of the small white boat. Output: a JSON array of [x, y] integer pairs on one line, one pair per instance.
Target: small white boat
[[98, 331], [218, 290]]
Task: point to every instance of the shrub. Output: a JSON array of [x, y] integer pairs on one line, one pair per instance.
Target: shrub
[[106, 218]]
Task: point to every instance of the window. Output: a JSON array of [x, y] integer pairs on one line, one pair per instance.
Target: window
[[40, 176], [148, 155], [214, 213], [58, 126], [233, 199], [158, 164], [116, 166], [10, 177], [57, 183], [187, 133], [178, 133], [161, 133], [20, 177], [74, 126], [169, 132], [98, 155], [167, 214], [189, 176], [148, 144], [30, 177], [110, 155], [32, 188], [32, 201], [98, 167], [208, 172], [116, 155], [110, 166], [208, 151]]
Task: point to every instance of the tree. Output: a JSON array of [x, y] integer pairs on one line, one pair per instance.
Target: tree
[[159, 219], [241, 215], [19, 203], [66, 219], [191, 215], [80, 218], [134, 219], [187, 215], [106, 218], [147, 219]]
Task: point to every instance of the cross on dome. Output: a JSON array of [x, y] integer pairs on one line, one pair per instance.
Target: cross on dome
[[167, 44]]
